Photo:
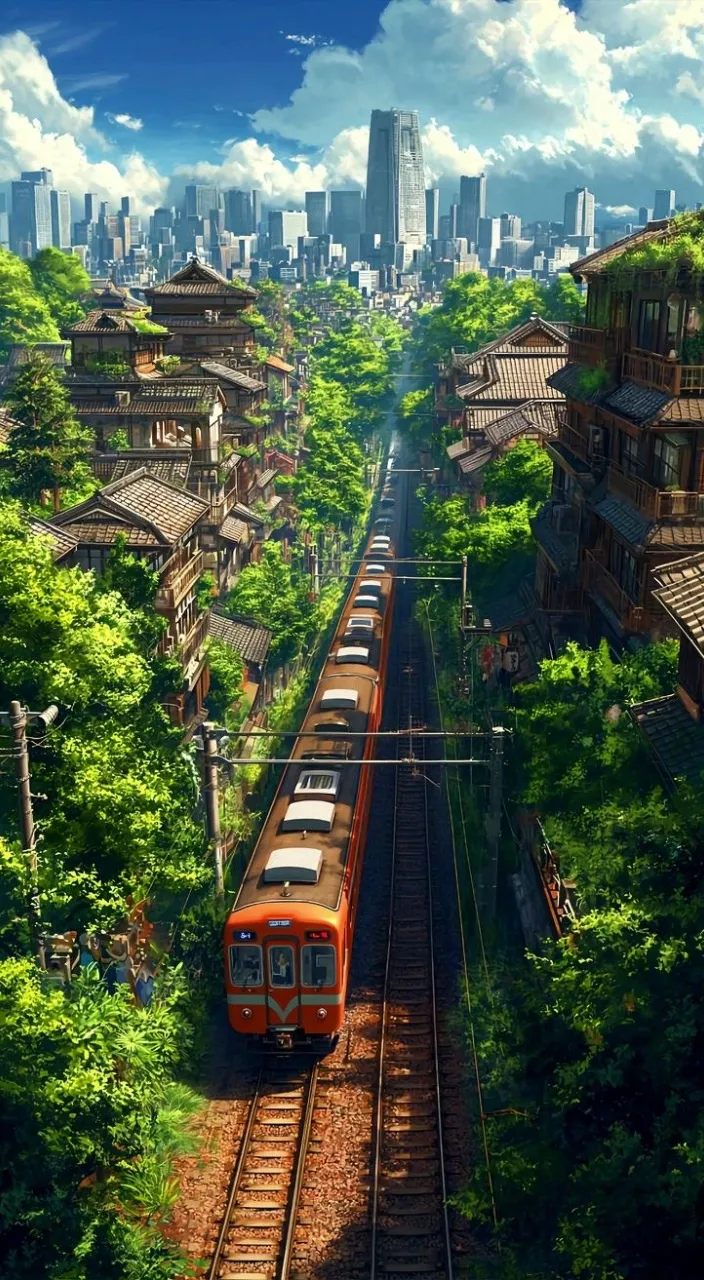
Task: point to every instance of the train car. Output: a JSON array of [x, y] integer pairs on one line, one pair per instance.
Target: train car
[[288, 938]]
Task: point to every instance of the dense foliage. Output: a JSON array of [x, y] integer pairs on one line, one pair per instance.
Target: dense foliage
[[24, 314], [683, 246], [591, 1057], [47, 451], [475, 310], [61, 280], [275, 594]]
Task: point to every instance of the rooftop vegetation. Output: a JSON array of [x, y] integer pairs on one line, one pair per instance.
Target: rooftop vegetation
[[683, 246]]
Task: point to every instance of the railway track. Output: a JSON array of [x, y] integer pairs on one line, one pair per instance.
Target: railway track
[[256, 1236], [410, 1233]]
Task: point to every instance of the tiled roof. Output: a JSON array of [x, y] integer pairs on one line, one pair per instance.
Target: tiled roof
[[457, 449], [20, 352], [517, 338], [156, 400], [475, 461], [166, 512], [568, 381], [246, 514], [198, 278], [198, 322], [676, 537], [556, 548], [234, 530], [266, 477], [273, 502], [625, 519], [681, 591], [513, 379], [596, 261], [104, 322], [690, 409], [172, 465], [118, 299], [105, 532], [224, 373], [275, 362], [640, 404], [532, 416], [676, 739], [63, 543], [246, 637]]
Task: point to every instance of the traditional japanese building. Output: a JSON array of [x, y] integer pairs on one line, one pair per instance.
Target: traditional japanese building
[[162, 524], [501, 393], [628, 486], [115, 342], [206, 315]]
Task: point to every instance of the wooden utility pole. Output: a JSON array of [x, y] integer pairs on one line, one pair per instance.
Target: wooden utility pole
[[212, 803], [18, 717]]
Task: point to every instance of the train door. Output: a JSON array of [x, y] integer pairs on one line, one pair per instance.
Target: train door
[[281, 966]]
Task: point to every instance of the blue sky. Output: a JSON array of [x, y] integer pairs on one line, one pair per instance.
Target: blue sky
[[542, 95]]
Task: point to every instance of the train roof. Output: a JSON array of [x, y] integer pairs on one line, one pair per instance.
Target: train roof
[[307, 830]]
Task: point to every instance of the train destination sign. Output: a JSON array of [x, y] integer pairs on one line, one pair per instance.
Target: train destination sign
[[278, 924]]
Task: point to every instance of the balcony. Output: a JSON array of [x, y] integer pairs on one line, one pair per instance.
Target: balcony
[[180, 574], [194, 641], [590, 346], [659, 504], [663, 374], [597, 580], [575, 440]]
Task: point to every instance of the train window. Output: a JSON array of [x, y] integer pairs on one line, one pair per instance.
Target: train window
[[366, 602], [246, 968], [370, 584], [359, 624], [323, 783], [334, 726], [377, 568], [318, 967], [352, 653], [281, 972]]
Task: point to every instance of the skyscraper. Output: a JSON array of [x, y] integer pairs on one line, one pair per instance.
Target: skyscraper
[[510, 226], [395, 178], [256, 209], [579, 213], [200, 200], [346, 221], [61, 219], [432, 212], [454, 221], [488, 240], [31, 213], [238, 212], [472, 206], [91, 206], [317, 210], [645, 215], [285, 226], [664, 205]]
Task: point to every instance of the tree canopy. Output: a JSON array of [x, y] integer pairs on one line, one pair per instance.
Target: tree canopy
[[275, 594], [60, 279], [47, 450], [24, 314]]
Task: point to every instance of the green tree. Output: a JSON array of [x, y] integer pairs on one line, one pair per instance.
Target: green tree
[[523, 473], [24, 315], [276, 596], [47, 450], [60, 279], [226, 676]]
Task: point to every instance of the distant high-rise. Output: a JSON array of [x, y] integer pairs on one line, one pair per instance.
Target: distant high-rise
[[31, 214], [395, 206], [432, 212], [317, 211], [645, 215], [40, 177], [200, 200], [454, 221], [4, 223], [510, 226], [346, 221], [238, 212], [125, 205], [256, 209], [61, 219], [664, 205], [91, 205], [285, 226], [488, 240], [472, 206], [579, 213]]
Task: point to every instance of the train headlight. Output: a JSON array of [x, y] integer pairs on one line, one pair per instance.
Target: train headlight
[[322, 1013], [246, 1013]]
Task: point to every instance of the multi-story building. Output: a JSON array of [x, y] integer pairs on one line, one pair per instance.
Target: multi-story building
[[472, 206], [4, 223], [488, 240], [317, 212], [346, 221], [30, 228], [199, 200], [205, 314], [664, 206], [91, 205], [239, 218], [510, 226], [61, 219], [579, 213], [628, 486], [432, 212], [285, 226], [395, 207]]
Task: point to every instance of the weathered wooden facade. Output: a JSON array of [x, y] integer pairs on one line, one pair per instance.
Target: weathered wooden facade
[[628, 487], [206, 315]]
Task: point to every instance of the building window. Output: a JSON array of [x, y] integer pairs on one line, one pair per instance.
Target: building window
[[625, 570], [628, 454], [666, 463], [648, 325]]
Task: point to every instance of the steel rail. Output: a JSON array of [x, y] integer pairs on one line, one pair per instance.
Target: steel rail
[[236, 1178], [284, 1270]]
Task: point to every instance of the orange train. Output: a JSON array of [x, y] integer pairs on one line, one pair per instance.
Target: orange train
[[288, 938]]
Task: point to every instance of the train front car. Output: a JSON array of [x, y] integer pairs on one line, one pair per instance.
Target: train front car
[[288, 939]]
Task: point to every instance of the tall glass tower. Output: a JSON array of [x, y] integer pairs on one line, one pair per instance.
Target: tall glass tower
[[395, 207]]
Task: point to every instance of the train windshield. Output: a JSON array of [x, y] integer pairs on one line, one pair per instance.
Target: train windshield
[[281, 971], [318, 967], [246, 969]]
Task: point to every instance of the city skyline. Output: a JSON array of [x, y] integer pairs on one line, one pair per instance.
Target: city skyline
[[619, 111]]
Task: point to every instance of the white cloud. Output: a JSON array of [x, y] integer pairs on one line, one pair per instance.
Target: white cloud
[[688, 87], [127, 121], [38, 126], [618, 210]]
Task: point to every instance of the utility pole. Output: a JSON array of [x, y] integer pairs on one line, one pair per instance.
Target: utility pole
[[18, 718], [211, 761], [490, 870]]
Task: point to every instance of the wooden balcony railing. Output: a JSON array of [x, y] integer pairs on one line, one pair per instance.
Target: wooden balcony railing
[[597, 579], [589, 346], [664, 374], [679, 502], [573, 439], [659, 504], [194, 640], [181, 572]]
